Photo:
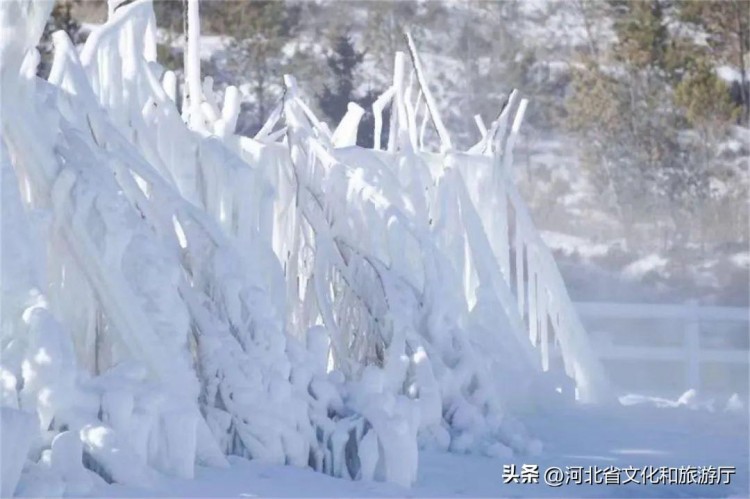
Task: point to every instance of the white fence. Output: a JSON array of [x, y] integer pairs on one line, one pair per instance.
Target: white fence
[[667, 349]]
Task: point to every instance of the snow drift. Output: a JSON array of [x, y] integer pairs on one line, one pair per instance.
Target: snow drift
[[173, 293]]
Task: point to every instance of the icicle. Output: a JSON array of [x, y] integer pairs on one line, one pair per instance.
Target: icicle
[[511, 143], [346, 133], [521, 275], [480, 125], [231, 109], [169, 83], [377, 111], [399, 130], [445, 141], [193, 65]]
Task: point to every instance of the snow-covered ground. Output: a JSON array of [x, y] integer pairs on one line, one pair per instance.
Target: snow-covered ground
[[639, 435]]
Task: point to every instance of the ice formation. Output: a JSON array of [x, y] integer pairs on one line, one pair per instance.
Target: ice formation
[[173, 293]]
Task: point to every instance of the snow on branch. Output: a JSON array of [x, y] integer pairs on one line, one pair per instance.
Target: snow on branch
[[445, 140]]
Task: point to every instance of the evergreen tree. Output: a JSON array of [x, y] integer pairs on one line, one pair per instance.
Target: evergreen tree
[[728, 25], [642, 34], [384, 31], [705, 98], [343, 62], [653, 112], [335, 98], [258, 31]]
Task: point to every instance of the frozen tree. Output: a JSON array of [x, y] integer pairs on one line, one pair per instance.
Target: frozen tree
[[174, 293]]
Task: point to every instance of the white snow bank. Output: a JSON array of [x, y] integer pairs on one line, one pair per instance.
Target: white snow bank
[[731, 74], [638, 269], [569, 245], [691, 399]]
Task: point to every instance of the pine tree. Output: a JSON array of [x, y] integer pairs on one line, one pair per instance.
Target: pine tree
[[335, 98], [653, 112], [258, 30], [622, 103], [705, 98], [728, 25], [343, 63], [642, 34]]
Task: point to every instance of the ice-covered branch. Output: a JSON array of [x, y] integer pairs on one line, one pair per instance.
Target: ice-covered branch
[[445, 140], [291, 297]]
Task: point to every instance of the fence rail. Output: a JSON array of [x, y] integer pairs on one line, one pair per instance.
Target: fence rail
[[667, 311], [684, 336]]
